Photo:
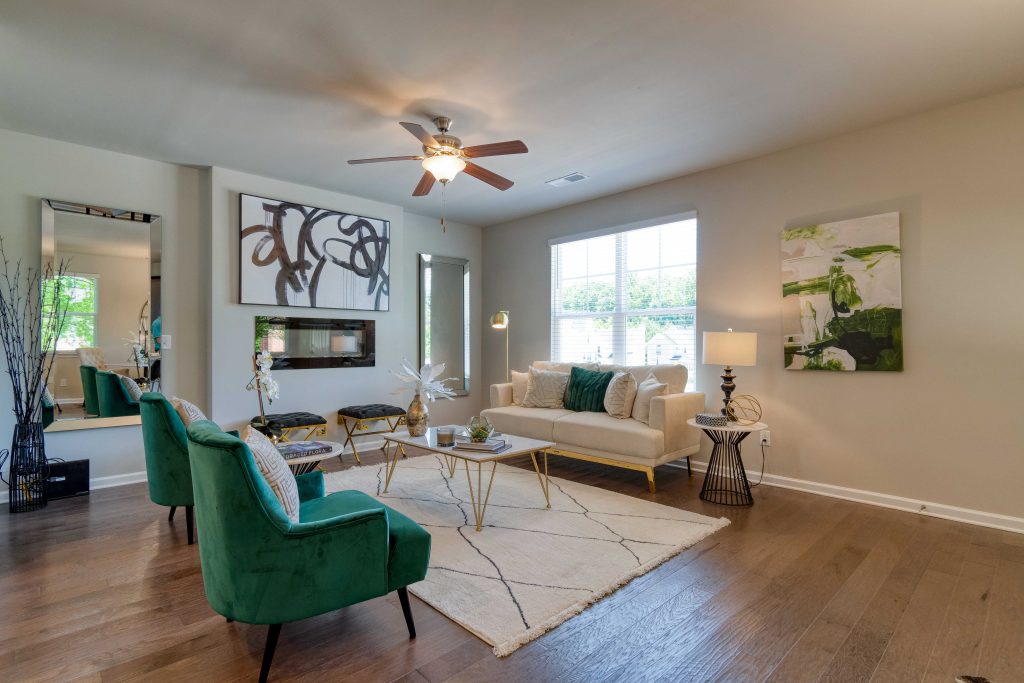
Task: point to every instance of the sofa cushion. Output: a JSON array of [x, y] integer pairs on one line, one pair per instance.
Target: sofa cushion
[[603, 432], [545, 389], [647, 390], [534, 423], [619, 397], [586, 390], [558, 366], [671, 374], [519, 383]]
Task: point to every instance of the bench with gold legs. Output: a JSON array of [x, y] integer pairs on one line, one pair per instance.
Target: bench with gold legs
[[285, 426], [359, 420]]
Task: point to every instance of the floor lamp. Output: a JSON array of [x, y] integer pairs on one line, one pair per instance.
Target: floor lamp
[[499, 321]]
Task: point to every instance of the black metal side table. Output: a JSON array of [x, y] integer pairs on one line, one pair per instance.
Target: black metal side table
[[725, 482]]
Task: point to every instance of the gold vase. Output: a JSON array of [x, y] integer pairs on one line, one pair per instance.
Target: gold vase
[[417, 418]]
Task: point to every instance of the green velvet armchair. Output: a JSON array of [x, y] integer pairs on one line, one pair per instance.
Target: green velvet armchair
[[114, 400], [166, 446], [92, 401], [261, 568]]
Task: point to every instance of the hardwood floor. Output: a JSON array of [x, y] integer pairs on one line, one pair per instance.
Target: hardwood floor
[[798, 588]]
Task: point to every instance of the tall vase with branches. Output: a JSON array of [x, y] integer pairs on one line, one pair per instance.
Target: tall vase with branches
[[33, 309]]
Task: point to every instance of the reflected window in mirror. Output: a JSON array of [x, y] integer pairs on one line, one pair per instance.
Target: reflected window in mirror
[[444, 317], [112, 293]]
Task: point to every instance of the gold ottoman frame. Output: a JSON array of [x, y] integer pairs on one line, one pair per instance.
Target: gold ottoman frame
[[362, 424]]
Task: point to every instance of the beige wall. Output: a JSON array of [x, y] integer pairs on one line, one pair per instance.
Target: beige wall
[[949, 428], [323, 391]]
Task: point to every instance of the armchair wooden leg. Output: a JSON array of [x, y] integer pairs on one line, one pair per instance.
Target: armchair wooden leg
[[190, 523], [170, 516], [268, 651], [650, 480], [689, 471], [403, 597]]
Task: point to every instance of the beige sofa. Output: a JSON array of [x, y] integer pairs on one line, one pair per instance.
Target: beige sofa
[[599, 437]]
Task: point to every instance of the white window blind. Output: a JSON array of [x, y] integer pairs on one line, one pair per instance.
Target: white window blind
[[628, 298]]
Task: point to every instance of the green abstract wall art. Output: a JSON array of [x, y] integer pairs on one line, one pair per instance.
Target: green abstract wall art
[[842, 307]]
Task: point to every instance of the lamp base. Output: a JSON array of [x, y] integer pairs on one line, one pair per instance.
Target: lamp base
[[727, 386]]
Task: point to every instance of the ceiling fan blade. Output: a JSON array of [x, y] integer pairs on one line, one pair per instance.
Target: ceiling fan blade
[[421, 133], [488, 176], [423, 187], [373, 161], [495, 149]]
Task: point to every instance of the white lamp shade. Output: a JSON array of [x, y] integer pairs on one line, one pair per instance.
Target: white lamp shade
[[730, 348]]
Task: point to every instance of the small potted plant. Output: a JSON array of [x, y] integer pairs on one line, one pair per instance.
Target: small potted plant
[[479, 429]]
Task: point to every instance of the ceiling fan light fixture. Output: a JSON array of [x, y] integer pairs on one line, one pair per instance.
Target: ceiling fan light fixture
[[444, 167]]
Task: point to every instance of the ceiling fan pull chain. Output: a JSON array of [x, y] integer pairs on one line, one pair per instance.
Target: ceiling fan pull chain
[[444, 209]]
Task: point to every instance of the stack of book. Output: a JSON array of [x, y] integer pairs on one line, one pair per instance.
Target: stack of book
[[492, 445], [301, 449]]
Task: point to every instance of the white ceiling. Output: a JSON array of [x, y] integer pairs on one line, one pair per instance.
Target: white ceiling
[[626, 92]]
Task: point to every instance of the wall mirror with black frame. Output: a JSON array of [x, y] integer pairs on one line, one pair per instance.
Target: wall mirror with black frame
[[112, 328], [444, 317]]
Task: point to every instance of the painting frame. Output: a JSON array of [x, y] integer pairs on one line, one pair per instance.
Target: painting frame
[[294, 255], [842, 300]]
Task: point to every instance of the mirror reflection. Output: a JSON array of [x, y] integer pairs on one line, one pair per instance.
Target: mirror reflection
[[444, 317], [108, 350]]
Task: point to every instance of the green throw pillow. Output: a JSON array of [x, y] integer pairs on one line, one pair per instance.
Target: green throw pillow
[[586, 390]]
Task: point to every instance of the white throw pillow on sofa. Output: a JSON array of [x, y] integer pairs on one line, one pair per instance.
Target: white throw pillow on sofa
[[621, 393], [647, 390], [520, 380], [545, 389]]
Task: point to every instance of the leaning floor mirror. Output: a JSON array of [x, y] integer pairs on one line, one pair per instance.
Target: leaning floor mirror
[[111, 331], [444, 317]]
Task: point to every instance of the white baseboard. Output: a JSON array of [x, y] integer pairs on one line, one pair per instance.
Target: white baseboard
[[96, 483], [885, 500]]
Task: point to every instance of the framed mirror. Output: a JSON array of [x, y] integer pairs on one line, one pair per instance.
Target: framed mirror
[[112, 328], [444, 317]]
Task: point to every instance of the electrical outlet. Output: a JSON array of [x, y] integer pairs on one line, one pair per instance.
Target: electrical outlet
[[166, 342], [766, 437], [63, 381]]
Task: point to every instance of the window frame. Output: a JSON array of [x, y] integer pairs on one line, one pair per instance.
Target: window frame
[[620, 315], [95, 314]]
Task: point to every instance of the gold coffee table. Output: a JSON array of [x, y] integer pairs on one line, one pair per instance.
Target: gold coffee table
[[519, 445]]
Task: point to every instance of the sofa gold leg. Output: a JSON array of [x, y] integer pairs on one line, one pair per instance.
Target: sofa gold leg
[[650, 480]]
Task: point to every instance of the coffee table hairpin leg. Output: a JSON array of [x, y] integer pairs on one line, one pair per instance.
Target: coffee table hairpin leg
[[391, 452], [479, 506], [545, 483]]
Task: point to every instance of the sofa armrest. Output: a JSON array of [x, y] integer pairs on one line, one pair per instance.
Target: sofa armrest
[[669, 415], [501, 395]]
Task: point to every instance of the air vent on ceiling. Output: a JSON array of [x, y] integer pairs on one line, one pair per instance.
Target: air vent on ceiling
[[574, 177]]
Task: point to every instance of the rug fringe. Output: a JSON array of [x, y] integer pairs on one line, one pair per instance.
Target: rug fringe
[[509, 646]]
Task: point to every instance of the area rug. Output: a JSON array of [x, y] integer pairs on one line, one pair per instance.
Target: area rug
[[529, 568]]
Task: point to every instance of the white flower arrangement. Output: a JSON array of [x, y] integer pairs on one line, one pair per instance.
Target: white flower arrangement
[[425, 381], [262, 382]]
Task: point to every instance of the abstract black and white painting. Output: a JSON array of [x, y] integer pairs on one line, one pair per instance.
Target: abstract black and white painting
[[295, 255]]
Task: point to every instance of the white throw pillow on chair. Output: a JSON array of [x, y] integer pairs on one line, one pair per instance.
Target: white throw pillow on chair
[[275, 470]]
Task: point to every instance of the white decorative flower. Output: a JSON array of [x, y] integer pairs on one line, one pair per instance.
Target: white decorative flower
[[425, 381], [262, 379]]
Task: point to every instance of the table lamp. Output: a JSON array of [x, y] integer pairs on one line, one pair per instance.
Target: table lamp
[[499, 321], [729, 349]]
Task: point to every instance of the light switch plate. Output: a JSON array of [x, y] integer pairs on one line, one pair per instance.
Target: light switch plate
[[166, 342]]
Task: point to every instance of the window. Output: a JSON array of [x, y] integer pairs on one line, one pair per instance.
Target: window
[[627, 298], [80, 293]]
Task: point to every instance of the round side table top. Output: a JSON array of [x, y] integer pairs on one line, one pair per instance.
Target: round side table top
[[732, 427]]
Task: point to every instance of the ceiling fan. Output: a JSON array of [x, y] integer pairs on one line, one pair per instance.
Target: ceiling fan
[[444, 156]]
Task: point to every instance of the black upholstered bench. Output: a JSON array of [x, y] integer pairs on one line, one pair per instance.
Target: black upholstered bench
[[286, 423], [358, 419]]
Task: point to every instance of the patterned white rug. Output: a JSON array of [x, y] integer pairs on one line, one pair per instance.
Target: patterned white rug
[[530, 568]]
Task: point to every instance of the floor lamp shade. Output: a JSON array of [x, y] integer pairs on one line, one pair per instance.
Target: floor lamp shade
[[500, 321], [730, 348]]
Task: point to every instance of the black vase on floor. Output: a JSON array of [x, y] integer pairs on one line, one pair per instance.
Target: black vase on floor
[[28, 468]]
